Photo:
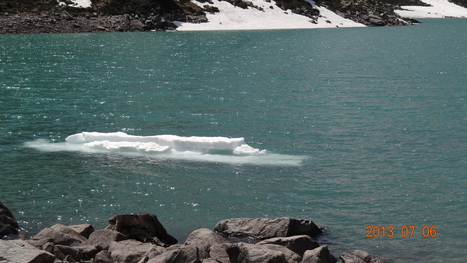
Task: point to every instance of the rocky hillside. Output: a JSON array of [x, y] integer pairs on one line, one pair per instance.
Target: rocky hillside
[[47, 16], [460, 2], [370, 12]]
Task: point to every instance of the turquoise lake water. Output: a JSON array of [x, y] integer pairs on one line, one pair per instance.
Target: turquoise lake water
[[361, 127]]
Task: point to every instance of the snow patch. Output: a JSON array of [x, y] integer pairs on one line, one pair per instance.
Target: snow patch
[[271, 16], [77, 3]]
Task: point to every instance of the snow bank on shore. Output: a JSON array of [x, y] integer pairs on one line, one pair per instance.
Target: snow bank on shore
[[231, 17], [271, 16], [77, 3], [438, 9]]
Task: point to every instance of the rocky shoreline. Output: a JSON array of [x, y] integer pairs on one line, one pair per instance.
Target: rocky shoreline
[[68, 22], [141, 238], [58, 19], [372, 13]]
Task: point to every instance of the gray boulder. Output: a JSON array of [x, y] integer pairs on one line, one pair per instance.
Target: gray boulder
[[59, 235], [49, 247], [152, 253], [359, 256], [77, 253], [8, 223], [103, 238], [249, 253], [137, 25], [142, 227], [318, 255], [84, 229], [349, 258], [128, 251], [219, 252], [292, 249], [365, 256], [103, 257], [264, 228], [290, 256], [298, 244], [18, 251], [375, 20], [185, 254], [203, 239]]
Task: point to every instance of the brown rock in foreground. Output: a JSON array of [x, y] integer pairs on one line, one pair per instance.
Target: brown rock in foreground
[[263, 228], [142, 227], [141, 238], [318, 255], [359, 256], [18, 251]]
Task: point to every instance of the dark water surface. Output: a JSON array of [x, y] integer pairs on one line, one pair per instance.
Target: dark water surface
[[377, 118]]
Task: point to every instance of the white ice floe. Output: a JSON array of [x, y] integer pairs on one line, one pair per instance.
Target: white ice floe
[[194, 148], [77, 3], [271, 16], [162, 143], [247, 149], [438, 9]]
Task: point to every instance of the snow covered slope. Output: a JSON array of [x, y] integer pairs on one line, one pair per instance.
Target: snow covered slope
[[270, 17]]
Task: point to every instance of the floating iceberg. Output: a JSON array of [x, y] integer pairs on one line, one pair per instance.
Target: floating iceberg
[[193, 148], [161, 143]]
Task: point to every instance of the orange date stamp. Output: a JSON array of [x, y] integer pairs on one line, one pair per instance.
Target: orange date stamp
[[403, 231]]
